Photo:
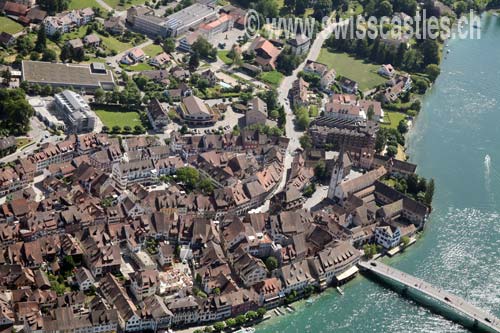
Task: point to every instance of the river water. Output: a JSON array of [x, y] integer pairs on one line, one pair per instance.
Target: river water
[[456, 141]]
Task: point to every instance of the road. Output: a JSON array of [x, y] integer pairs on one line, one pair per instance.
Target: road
[[106, 6], [291, 132]]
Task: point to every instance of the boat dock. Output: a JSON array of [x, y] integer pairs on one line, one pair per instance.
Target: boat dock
[[479, 319]]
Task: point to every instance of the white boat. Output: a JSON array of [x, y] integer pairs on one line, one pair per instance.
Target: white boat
[[341, 292], [310, 301], [447, 51], [289, 309], [246, 330], [277, 312]]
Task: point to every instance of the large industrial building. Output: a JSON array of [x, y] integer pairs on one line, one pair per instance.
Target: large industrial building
[[173, 25], [83, 76]]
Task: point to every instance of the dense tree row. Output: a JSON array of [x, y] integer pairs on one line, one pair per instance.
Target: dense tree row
[[15, 112]]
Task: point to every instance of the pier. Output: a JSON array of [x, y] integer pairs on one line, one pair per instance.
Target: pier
[[477, 318]]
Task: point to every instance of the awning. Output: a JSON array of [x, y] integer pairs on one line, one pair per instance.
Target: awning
[[348, 273]]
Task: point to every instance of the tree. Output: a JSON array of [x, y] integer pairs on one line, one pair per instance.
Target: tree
[[392, 151], [99, 95], [429, 193], [370, 112], [66, 53], [261, 312], [169, 45], [403, 126], [230, 322], [271, 263], [322, 8], [194, 61], [384, 9], [203, 48], [208, 329], [116, 129], [49, 55], [320, 171], [78, 54], [420, 86], [240, 320], [251, 315], [127, 129], [189, 176], [41, 39], [430, 51], [432, 71], [105, 129], [370, 250], [219, 326], [405, 240], [267, 8], [15, 112], [306, 141]]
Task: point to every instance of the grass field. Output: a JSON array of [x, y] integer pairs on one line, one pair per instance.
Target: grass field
[[137, 67], [358, 70], [128, 3], [9, 26], [152, 50], [78, 4], [112, 43], [113, 116], [273, 78], [223, 56], [392, 119]]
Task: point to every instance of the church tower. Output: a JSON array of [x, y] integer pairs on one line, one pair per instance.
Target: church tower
[[337, 175]]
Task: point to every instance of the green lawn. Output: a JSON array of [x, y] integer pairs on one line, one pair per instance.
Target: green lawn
[[152, 50], [223, 56], [142, 66], [113, 116], [9, 26], [392, 119], [128, 3], [273, 78], [358, 70], [79, 4], [112, 43]]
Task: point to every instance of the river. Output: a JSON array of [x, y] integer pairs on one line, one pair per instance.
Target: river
[[458, 127]]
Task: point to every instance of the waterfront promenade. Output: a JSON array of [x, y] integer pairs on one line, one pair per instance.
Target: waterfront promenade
[[458, 304]]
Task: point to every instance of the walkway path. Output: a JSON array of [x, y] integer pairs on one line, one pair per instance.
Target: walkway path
[[455, 302]]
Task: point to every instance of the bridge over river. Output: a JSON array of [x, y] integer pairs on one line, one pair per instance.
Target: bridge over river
[[451, 306]]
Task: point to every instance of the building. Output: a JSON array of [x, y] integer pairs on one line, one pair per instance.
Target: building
[[6, 39], [83, 76], [194, 111], [189, 18], [348, 86], [222, 24], [157, 114], [300, 44], [265, 53], [65, 21], [388, 236], [75, 111], [92, 40], [350, 107], [114, 25], [7, 145], [256, 112], [387, 70]]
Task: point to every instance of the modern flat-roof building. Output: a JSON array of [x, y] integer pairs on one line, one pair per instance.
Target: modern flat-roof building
[[173, 25], [83, 76], [75, 111]]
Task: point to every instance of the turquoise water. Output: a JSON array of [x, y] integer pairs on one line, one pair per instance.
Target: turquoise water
[[458, 127]]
